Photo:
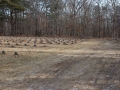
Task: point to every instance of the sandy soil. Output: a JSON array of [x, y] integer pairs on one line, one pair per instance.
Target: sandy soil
[[59, 64]]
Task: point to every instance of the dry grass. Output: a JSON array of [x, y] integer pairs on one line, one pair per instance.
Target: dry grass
[[85, 65]]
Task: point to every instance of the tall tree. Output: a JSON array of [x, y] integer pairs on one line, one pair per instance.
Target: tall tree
[[12, 7]]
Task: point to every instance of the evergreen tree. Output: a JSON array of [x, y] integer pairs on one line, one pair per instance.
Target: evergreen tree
[[12, 7]]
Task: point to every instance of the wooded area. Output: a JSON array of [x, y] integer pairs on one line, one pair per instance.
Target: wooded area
[[75, 18]]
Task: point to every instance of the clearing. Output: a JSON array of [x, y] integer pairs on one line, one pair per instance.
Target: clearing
[[59, 64]]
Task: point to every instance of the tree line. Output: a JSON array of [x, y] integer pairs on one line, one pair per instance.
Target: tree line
[[74, 18]]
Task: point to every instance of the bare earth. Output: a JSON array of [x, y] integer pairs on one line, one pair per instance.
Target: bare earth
[[59, 64]]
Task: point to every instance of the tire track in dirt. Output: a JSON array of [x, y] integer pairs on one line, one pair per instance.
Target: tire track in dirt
[[68, 64], [106, 71]]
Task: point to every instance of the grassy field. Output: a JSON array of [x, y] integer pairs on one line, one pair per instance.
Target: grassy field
[[46, 63]]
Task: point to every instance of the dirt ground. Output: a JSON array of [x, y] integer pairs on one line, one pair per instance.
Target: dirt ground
[[59, 64]]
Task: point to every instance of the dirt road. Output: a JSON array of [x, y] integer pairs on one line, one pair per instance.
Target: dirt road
[[86, 65]]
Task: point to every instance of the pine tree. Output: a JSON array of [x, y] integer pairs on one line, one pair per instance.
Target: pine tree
[[14, 7], [14, 4]]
